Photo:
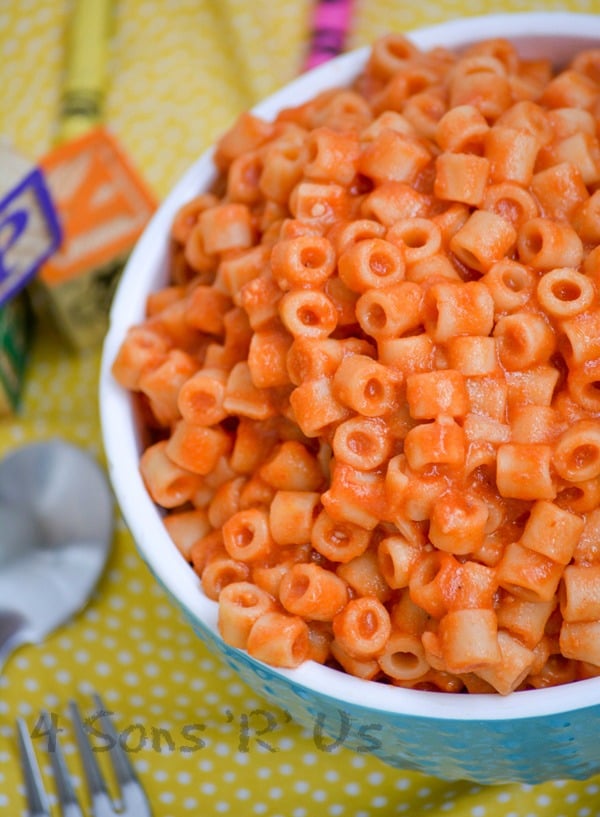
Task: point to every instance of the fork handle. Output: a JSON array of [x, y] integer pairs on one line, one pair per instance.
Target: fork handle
[[14, 631]]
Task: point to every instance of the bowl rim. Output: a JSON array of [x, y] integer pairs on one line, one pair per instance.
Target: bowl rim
[[121, 447]]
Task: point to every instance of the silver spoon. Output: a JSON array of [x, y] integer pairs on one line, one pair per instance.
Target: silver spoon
[[56, 525]]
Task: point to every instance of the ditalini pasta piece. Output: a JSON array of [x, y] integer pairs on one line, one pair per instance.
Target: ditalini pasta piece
[[371, 264], [279, 639], [515, 663], [362, 628], [313, 592], [564, 293], [527, 574], [469, 640], [168, 484], [580, 640], [241, 604], [403, 658], [292, 515], [187, 527], [484, 239], [580, 597], [338, 541], [461, 177]]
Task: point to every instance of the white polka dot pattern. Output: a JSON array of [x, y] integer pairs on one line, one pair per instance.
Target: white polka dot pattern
[[203, 742]]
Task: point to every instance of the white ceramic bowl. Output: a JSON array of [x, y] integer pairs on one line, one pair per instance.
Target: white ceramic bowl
[[528, 736]]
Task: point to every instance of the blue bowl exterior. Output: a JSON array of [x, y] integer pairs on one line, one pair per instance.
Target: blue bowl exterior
[[489, 752]]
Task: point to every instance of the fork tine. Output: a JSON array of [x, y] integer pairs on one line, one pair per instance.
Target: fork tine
[[64, 786], [132, 793], [37, 801], [101, 800], [124, 771]]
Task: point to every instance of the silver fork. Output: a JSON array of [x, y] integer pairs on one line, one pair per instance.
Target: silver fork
[[133, 801]]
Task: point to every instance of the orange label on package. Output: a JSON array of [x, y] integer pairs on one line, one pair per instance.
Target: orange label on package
[[102, 203]]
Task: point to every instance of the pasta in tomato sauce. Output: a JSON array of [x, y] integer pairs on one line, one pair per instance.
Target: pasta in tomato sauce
[[372, 386]]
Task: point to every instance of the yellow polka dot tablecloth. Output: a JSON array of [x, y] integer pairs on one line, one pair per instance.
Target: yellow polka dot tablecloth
[[202, 742]]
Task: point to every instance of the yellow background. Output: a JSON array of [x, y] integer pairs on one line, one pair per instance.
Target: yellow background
[[180, 70]]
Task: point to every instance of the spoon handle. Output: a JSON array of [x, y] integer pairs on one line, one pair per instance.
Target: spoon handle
[[14, 631]]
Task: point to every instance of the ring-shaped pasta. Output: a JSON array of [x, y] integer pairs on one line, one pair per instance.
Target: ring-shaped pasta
[[427, 579], [458, 523], [292, 515], [344, 110], [306, 261], [403, 658], [569, 89], [371, 263], [310, 358], [473, 355], [500, 49], [580, 497], [565, 292], [510, 201], [586, 219], [580, 343], [244, 176], [584, 386], [580, 641], [366, 386], [424, 110], [363, 442], [418, 238], [531, 117], [240, 605], [524, 340], [187, 216], [481, 81], [396, 555], [144, 349], [331, 155], [390, 54], [510, 284], [396, 92], [168, 484], [393, 200], [225, 501], [195, 253], [363, 627], [338, 541], [579, 597], [200, 399], [483, 239], [313, 592], [390, 312], [469, 640], [576, 456], [347, 233], [462, 129], [545, 244], [461, 177], [246, 535], [474, 64], [587, 62], [282, 166], [279, 639], [221, 571], [308, 313], [452, 308]]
